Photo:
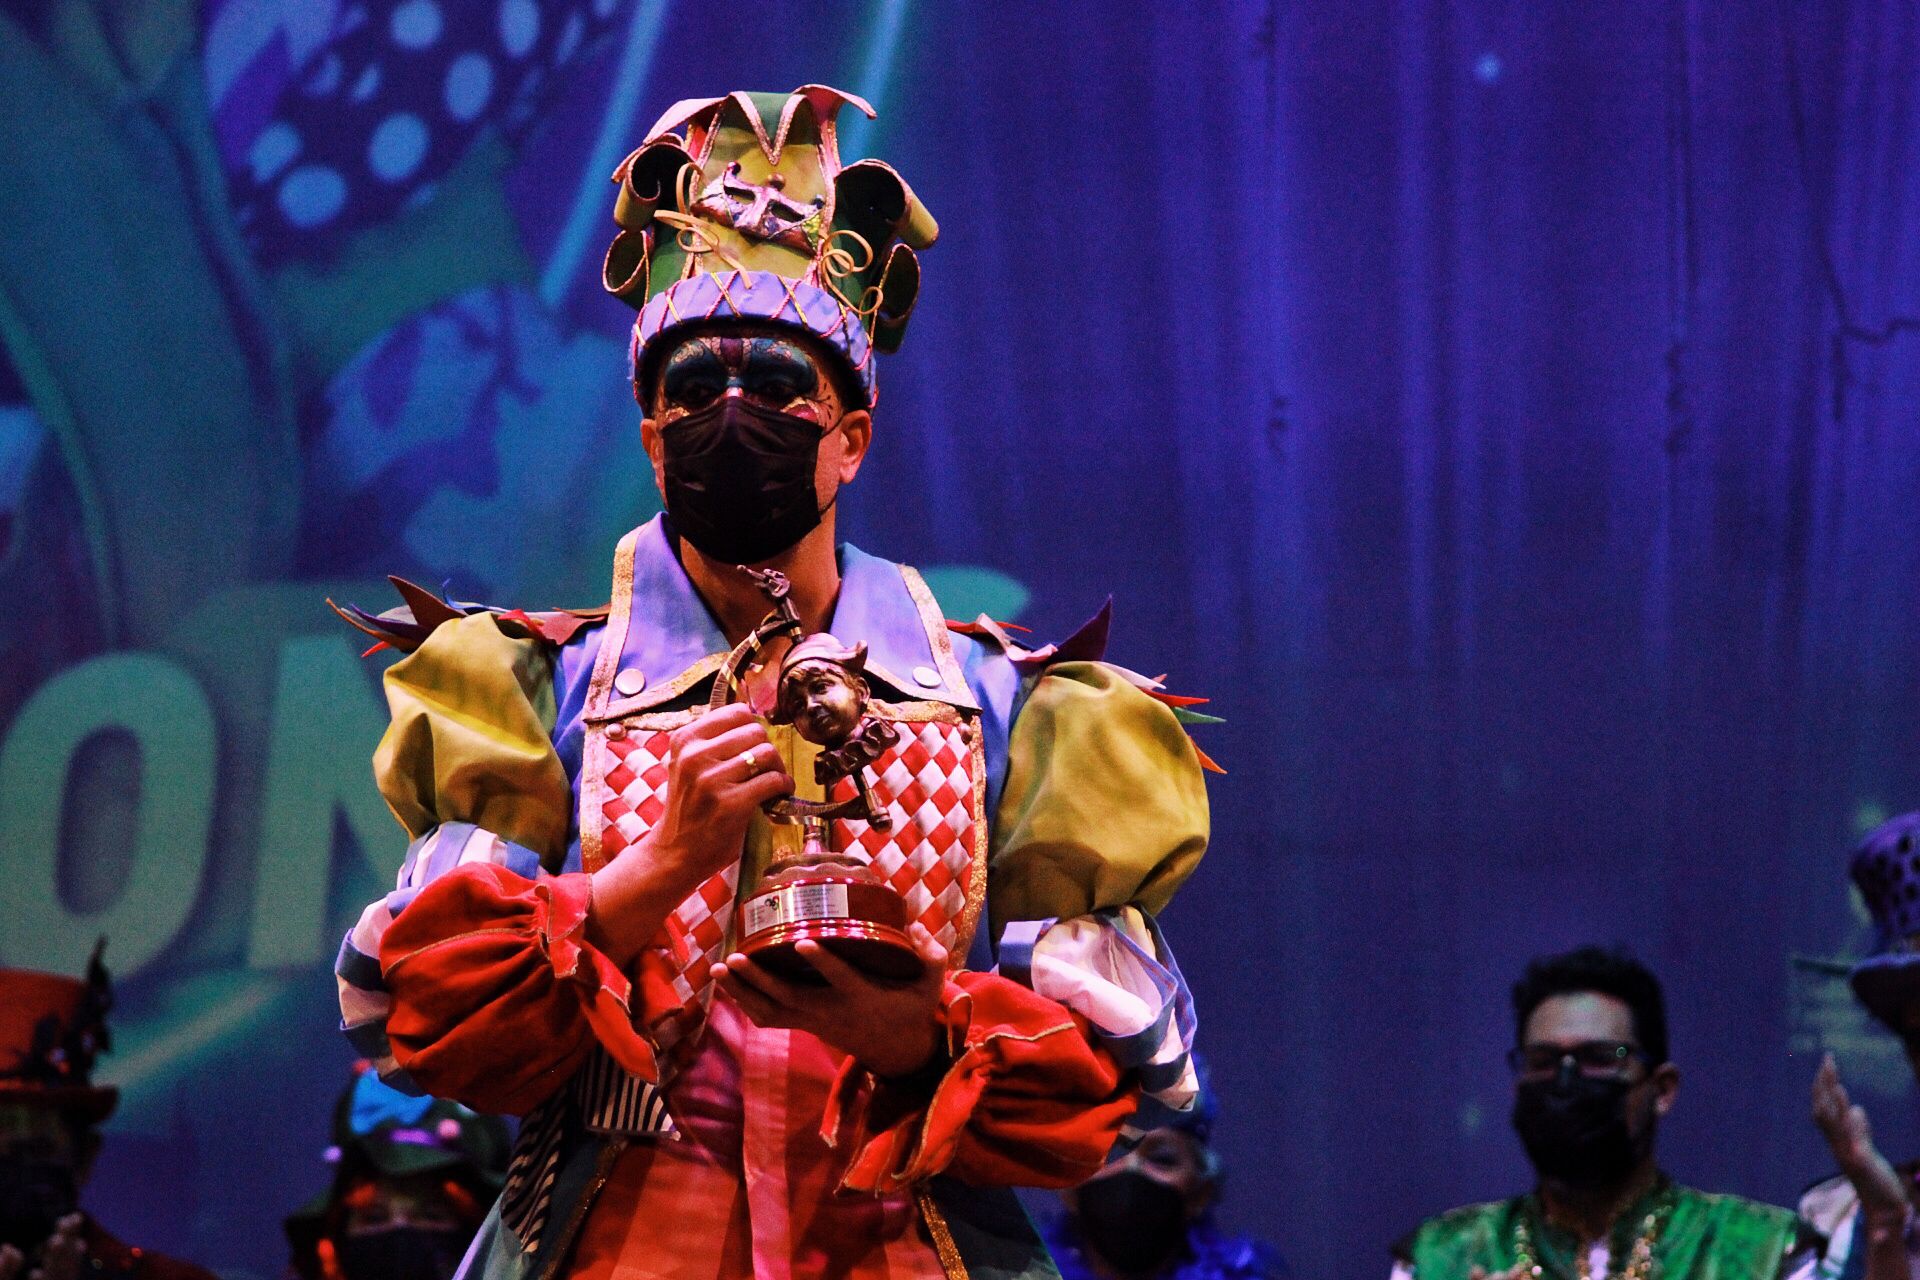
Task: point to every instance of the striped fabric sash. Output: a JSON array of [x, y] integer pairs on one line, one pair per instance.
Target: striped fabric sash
[[601, 1098], [528, 1196], [615, 1103]]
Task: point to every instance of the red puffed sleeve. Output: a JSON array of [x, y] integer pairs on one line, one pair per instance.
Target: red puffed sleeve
[[1027, 1100], [497, 995]]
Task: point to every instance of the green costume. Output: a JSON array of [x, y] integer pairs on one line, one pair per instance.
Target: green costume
[[1698, 1235]]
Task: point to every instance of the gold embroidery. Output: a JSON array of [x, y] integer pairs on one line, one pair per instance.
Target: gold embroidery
[[666, 691], [918, 712], [977, 870], [950, 1260], [934, 622], [619, 617], [594, 751]]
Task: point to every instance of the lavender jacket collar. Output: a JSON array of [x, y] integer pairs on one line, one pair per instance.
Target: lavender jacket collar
[[672, 642]]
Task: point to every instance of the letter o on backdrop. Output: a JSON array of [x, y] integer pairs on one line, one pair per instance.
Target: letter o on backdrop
[[163, 709]]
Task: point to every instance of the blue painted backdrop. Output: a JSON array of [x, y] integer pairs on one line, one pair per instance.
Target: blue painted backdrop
[[1502, 410]]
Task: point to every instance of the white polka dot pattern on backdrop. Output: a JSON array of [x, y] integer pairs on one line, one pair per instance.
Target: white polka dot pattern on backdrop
[[392, 101], [273, 150], [311, 195], [416, 24], [397, 147], [569, 42], [524, 97], [519, 26], [469, 85], [325, 78]]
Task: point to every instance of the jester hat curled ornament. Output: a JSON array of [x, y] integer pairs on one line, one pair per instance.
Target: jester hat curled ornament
[[738, 208]]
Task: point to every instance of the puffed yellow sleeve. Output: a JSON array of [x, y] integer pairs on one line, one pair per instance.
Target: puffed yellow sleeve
[[1104, 802], [473, 713]]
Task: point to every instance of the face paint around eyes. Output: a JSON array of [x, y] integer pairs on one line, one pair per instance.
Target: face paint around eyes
[[780, 373], [694, 376]]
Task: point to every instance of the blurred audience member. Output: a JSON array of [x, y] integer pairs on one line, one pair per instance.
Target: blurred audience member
[[1148, 1215], [1592, 1080], [413, 1179], [1867, 1210], [51, 1030]]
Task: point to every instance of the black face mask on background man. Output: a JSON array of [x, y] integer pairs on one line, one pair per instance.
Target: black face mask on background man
[[1575, 1130], [403, 1253], [739, 479], [34, 1196], [1133, 1221]]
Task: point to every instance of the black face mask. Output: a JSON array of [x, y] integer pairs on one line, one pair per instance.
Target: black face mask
[[739, 480], [34, 1195], [403, 1253], [1136, 1223], [1575, 1129]]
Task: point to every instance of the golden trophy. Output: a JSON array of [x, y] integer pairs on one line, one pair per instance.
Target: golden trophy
[[833, 897]]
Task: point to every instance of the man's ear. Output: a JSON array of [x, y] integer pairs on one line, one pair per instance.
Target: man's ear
[[656, 451], [857, 427], [1666, 1087]]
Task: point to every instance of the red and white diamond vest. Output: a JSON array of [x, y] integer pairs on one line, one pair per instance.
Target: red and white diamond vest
[[933, 782]]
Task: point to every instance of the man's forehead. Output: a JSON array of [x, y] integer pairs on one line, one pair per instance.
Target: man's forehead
[[738, 347], [1578, 1016]]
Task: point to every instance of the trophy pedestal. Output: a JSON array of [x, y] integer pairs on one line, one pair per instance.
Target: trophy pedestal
[[840, 904]]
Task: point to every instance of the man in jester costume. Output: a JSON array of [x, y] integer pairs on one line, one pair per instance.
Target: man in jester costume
[[588, 817]]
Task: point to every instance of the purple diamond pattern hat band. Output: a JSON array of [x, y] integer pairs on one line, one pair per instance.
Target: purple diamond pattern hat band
[[756, 295]]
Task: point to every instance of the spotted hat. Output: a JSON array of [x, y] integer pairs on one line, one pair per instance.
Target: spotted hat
[[738, 208], [1886, 867]]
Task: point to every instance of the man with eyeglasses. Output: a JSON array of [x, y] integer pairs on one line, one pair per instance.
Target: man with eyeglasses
[[1592, 1080]]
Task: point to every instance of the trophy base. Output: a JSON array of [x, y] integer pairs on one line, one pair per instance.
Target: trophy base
[[847, 911], [877, 952]]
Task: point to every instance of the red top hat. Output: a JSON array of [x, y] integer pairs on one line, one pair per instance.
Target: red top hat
[[51, 1029]]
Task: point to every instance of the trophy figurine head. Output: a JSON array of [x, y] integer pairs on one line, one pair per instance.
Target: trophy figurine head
[[823, 690], [832, 897]]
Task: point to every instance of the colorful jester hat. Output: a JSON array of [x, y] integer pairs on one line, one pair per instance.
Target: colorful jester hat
[[750, 216]]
